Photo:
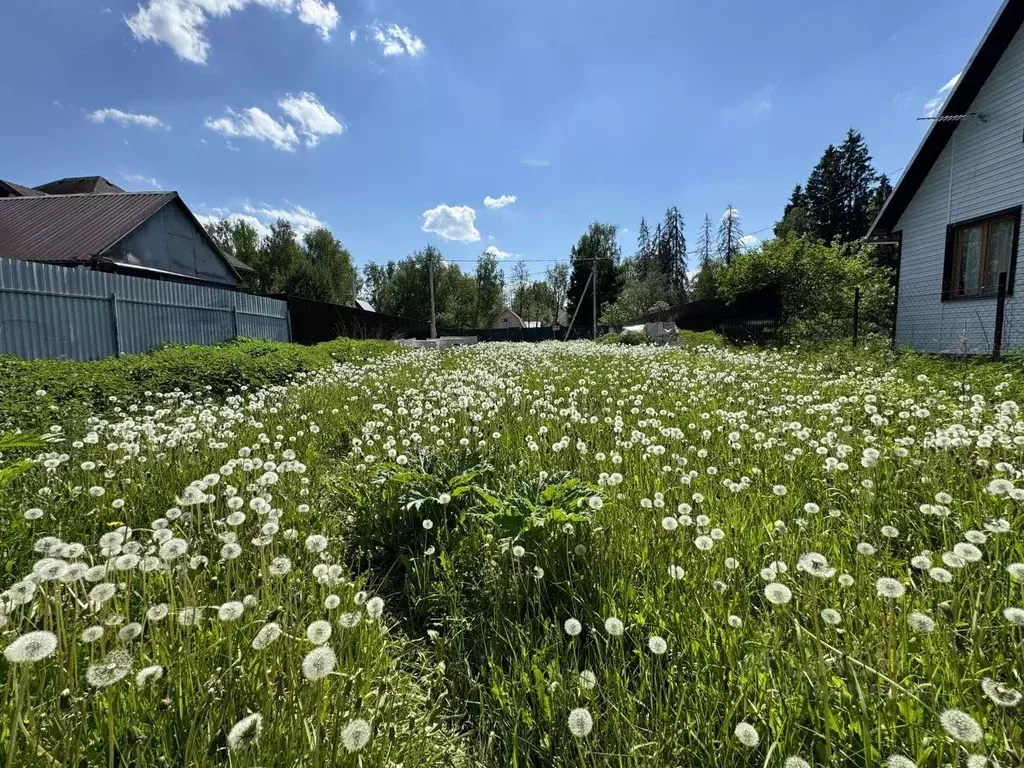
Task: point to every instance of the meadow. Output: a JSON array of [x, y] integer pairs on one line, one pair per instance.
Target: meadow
[[523, 555]]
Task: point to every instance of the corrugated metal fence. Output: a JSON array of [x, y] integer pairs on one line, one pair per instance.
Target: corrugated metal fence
[[50, 311]]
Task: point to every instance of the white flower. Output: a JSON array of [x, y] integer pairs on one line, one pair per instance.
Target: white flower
[[374, 607], [921, 623], [1000, 694], [319, 632], [319, 663], [890, 588], [961, 726], [777, 593], [899, 761], [746, 734], [356, 735], [572, 627], [613, 626], [245, 732], [580, 722], [657, 645], [1014, 615], [588, 680], [149, 675], [268, 633], [31, 647]]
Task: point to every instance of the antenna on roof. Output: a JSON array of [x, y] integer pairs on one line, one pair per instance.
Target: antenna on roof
[[956, 118]]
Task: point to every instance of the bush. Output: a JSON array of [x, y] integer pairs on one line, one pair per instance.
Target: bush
[[816, 283], [75, 390]]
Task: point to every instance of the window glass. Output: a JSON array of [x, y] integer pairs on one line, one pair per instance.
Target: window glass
[[970, 260], [1000, 248]]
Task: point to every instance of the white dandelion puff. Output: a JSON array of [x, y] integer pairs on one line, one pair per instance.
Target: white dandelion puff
[[319, 632], [657, 645], [572, 627], [356, 735], [746, 734], [580, 722], [890, 588], [614, 626], [778, 594], [319, 663], [31, 647], [1000, 694], [961, 726], [245, 732], [268, 633], [111, 669]]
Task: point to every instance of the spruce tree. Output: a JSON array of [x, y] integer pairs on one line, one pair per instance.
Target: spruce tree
[[643, 246], [704, 286], [729, 235], [825, 192], [598, 243]]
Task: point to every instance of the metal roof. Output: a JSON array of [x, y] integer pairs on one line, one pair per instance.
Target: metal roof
[[993, 45], [64, 229]]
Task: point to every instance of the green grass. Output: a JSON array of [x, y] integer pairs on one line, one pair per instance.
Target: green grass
[[489, 495]]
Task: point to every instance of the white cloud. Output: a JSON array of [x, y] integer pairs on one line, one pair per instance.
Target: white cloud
[[498, 253], [499, 202], [353, 36], [398, 41], [749, 241], [260, 217], [126, 118], [180, 24], [456, 222], [730, 213], [933, 106], [147, 182], [323, 16], [254, 123], [535, 162], [312, 118], [757, 104]]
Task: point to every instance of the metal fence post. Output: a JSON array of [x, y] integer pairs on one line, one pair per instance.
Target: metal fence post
[[997, 341], [115, 324], [856, 314]]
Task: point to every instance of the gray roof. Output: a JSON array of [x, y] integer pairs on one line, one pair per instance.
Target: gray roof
[[10, 189], [79, 185]]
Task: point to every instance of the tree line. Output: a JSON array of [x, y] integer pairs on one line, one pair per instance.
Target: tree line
[[816, 248]]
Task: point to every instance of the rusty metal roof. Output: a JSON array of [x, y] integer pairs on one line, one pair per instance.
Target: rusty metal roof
[[65, 229]]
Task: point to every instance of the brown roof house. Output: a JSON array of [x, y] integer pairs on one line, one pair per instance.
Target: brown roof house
[[88, 222]]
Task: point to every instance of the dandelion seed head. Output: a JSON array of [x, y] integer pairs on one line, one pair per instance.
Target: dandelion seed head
[[657, 645], [356, 735], [572, 627], [961, 726], [580, 722], [746, 734], [1000, 695], [31, 647], [319, 663], [778, 594], [245, 732], [111, 669], [889, 588]]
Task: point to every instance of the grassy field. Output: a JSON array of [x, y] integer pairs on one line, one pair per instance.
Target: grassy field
[[526, 555]]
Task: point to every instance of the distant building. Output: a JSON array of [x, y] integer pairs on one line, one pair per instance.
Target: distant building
[[90, 223], [365, 305], [509, 319]]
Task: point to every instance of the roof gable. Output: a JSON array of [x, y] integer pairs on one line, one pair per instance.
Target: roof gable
[[988, 53], [10, 189]]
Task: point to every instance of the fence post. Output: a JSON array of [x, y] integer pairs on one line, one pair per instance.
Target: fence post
[[115, 324], [856, 314], [997, 341], [234, 319]]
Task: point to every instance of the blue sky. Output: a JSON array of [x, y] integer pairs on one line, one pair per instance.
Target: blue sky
[[381, 118]]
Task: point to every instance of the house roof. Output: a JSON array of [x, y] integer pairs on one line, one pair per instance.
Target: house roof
[[65, 229], [17, 190], [999, 35], [365, 305], [77, 185], [72, 229]]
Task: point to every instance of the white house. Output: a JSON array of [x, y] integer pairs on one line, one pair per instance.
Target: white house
[[956, 211]]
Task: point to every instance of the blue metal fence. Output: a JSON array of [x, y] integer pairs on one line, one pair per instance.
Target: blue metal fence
[[51, 311]]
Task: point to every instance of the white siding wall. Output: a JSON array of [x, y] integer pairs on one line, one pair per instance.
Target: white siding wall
[[987, 176]]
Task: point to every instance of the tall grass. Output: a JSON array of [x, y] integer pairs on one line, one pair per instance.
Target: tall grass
[[527, 555]]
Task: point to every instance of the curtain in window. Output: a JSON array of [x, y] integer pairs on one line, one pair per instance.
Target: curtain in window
[[1000, 247], [970, 260]]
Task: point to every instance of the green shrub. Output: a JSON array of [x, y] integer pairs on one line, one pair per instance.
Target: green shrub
[[74, 390]]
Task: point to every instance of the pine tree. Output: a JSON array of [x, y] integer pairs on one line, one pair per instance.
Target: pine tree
[[705, 286], [643, 246], [859, 178], [825, 191], [670, 253], [730, 235], [794, 215]]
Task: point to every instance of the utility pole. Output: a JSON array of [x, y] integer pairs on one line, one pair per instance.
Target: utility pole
[[433, 317], [593, 280]]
